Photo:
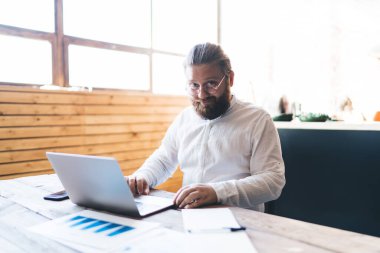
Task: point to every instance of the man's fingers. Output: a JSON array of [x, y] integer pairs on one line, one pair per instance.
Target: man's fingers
[[195, 204], [178, 193], [190, 199], [183, 194], [132, 185], [146, 189], [140, 186]]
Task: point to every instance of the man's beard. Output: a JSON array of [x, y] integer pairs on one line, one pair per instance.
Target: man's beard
[[215, 106]]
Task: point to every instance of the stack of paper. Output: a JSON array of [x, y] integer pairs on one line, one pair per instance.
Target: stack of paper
[[215, 230], [90, 231], [209, 220], [208, 231]]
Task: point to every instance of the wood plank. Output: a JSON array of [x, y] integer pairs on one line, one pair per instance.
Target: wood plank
[[25, 174], [23, 206], [174, 183], [37, 96], [54, 120], [125, 119], [32, 198], [131, 165], [128, 167], [40, 154], [8, 246], [14, 222], [44, 165], [24, 240], [141, 109], [25, 167], [37, 109], [26, 132], [326, 238], [54, 142], [119, 99], [57, 109], [16, 121], [131, 155]]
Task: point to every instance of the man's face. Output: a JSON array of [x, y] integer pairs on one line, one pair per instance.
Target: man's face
[[213, 95]]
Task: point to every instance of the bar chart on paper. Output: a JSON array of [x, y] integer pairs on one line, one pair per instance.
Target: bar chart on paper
[[92, 225], [97, 230]]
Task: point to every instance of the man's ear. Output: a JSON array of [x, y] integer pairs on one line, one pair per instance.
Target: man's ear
[[231, 77]]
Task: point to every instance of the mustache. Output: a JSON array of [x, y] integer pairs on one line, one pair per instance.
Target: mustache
[[210, 98], [212, 107]]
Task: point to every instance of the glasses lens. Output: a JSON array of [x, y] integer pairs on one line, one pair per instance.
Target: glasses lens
[[211, 86]]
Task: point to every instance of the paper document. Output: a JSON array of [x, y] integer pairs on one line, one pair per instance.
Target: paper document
[[209, 220], [215, 230], [162, 240], [91, 231]]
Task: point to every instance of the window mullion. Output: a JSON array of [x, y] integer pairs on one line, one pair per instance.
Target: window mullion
[[59, 77]]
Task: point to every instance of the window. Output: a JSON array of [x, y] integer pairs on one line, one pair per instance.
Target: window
[[116, 21], [25, 60], [93, 67], [30, 14], [192, 22], [168, 74], [113, 44], [314, 52]]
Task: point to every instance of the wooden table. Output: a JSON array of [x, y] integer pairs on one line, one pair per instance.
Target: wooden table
[[22, 206]]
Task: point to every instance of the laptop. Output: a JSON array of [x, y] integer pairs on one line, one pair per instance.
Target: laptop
[[98, 183]]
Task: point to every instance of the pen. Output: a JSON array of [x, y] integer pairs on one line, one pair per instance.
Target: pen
[[217, 230], [237, 229]]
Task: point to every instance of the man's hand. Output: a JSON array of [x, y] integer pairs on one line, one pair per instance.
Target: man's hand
[[138, 185], [196, 195]]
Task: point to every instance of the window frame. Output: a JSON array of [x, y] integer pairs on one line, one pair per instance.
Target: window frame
[[61, 42]]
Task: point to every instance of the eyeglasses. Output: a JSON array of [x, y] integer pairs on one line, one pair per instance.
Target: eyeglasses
[[211, 86]]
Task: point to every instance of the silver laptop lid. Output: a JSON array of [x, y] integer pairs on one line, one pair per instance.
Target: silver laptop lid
[[95, 182]]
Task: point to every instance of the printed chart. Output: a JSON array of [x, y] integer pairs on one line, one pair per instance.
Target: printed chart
[[91, 231], [97, 226]]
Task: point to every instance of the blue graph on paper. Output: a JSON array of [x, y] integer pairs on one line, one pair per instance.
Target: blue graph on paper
[[97, 226]]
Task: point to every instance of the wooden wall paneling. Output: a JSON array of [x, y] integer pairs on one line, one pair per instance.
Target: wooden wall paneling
[[50, 131], [126, 125], [42, 165], [12, 94], [18, 121], [62, 120], [32, 97], [101, 149], [33, 173], [174, 183], [58, 109], [24, 167], [127, 119], [53, 142]]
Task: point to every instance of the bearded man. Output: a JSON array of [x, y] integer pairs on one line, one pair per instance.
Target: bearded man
[[228, 150]]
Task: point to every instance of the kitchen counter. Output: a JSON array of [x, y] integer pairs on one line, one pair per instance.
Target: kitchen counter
[[329, 125]]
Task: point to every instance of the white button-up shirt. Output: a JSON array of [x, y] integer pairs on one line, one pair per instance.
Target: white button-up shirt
[[238, 154]]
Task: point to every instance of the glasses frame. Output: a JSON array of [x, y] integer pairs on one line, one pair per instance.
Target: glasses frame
[[208, 88]]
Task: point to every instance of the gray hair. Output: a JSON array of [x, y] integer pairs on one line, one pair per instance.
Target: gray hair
[[208, 53]]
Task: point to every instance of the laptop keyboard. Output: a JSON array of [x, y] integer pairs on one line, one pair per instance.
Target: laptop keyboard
[[149, 204], [146, 208]]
